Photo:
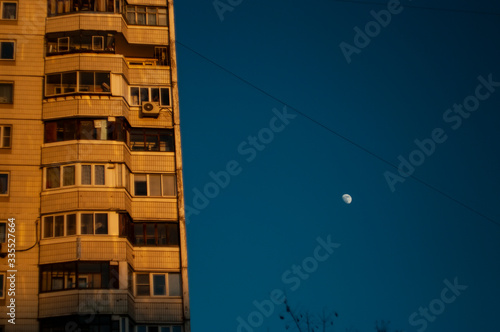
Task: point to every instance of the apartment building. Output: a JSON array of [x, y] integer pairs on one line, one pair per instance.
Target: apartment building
[[92, 226]]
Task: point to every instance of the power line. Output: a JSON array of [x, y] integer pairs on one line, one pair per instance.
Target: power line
[[336, 133], [466, 11]]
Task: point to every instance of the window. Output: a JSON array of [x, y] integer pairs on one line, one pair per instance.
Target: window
[[55, 177], [153, 234], [6, 93], [94, 223], [5, 136], [140, 95], [154, 185], [2, 285], [151, 140], [87, 129], [79, 275], [97, 177], [72, 82], [3, 232], [9, 10], [80, 42], [162, 56], [7, 50], [59, 225], [146, 15], [158, 284], [155, 328], [61, 7], [4, 184]]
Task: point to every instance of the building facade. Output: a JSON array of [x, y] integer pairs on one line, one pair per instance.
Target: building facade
[[92, 226]]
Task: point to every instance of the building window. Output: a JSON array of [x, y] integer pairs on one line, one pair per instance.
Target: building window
[[4, 184], [153, 234], [158, 284], [151, 140], [6, 93], [140, 95], [2, 285], [154, 185], [57, 175], [9, 10], [61, 7], [77, 82], [94, 223], [7, 50], [162, 56], [5, 136], [80, 42], [95, 177], [141, 15], [59, 225], [85, 129], [80, 275], [156, 328], [3, 232], [66, 224]]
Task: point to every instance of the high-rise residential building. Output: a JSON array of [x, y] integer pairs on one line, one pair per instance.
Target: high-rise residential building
[[92, 226]]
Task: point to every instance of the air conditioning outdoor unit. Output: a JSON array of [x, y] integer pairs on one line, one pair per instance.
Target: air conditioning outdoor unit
[[150, 109]]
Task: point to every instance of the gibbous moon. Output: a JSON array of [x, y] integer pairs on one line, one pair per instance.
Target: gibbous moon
[[347, 198]]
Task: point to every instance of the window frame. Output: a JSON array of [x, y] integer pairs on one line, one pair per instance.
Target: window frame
[[11, 97], [148, 184], [143, 237], [152, 285], [2, 284], [7, 192], [62, 178], [136, 10], [3, 3], [3, 136], [10, 41], [3, 224], [93, 175], [161, 136], [76, 87], [139, 102], [50, 233]]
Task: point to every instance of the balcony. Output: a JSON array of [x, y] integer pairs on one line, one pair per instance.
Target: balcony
[[134, 34]]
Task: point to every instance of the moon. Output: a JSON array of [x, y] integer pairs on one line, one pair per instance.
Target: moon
[[347, 198]]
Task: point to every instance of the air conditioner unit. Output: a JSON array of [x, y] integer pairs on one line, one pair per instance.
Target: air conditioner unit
[[150, 109]]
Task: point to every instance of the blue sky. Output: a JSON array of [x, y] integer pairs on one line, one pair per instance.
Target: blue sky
[[282, 175]]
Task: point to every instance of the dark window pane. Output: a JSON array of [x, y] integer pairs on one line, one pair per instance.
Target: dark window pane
[[53, 84], [101, 223], [3, 228], [50, 132], [162, 234], [144, 95], [139, 234], [87, 129], [102, 82], [150, 234], [68, 175], [53, 177], [155, 94], [87, 223], [59, 226], [142, 283], [9, 11], [48, 227], [7, 50], [69, 130], [155, 185], [173, 234], [4, 184], [86, 82], [71, 224], [165, 97], [68, 82], [140, 183], [134, 96], [159, 284], [6, 93]]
